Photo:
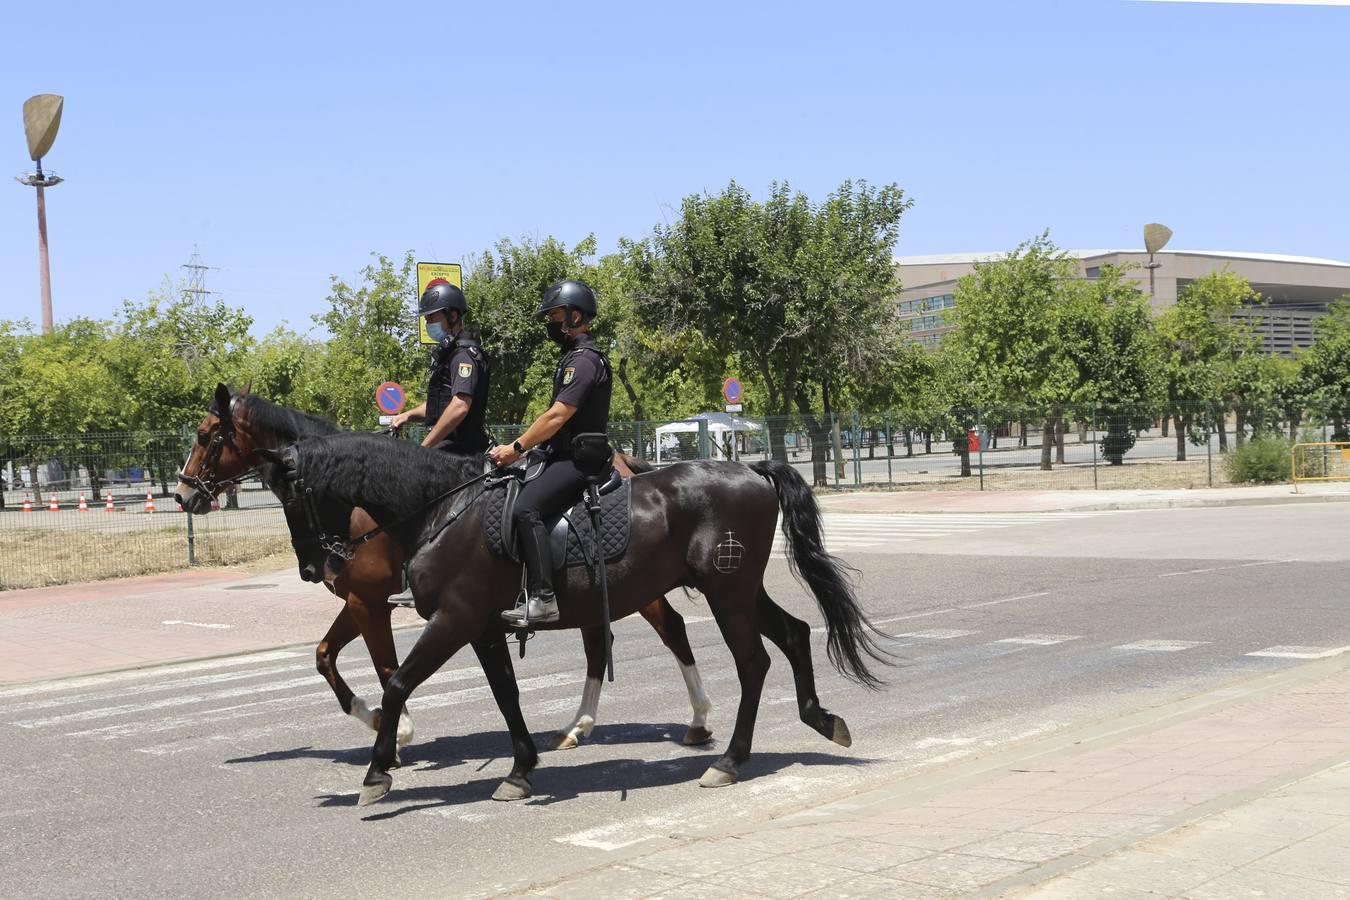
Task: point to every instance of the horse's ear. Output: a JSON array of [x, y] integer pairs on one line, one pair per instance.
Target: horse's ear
[[222, 401]]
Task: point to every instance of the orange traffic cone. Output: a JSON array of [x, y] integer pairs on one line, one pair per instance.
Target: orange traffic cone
[[52, 507], [108, 506], [83, 507], [27, 505], [149, 502]]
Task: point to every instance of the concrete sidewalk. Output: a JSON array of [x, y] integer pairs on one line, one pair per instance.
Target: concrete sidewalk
[[127, 623], [1083, 501], [1242, 792]]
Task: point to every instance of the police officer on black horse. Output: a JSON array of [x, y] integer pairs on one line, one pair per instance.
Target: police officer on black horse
[[582, 386], [457, 390]]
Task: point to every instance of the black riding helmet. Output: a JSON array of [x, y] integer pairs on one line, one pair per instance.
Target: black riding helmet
[[442, 296], [569, 294]]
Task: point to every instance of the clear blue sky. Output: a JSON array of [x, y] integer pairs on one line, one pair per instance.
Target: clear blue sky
[[290, 145]]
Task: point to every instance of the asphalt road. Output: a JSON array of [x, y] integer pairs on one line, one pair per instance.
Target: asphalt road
[[238, 777]]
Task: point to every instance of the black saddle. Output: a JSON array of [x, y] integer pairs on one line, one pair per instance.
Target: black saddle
[[572, 538]]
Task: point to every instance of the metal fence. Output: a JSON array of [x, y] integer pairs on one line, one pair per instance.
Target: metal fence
[[104, 485]]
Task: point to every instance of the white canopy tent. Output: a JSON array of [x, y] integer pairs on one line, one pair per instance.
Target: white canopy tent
[[722, 429]]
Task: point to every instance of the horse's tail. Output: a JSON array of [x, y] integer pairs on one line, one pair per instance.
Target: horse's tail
[[849, 636]]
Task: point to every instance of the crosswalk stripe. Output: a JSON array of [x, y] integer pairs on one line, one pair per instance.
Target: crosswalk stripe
[[1040, 640], [151, 688], [938, 634], [1161, 646], [75, 684], [1288, 652]]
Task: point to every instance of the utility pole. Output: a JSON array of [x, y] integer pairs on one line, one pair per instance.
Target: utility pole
[[196, 277], [41, 120]]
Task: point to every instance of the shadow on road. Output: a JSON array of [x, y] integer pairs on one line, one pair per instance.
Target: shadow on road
[[449, 751], [557, 779]]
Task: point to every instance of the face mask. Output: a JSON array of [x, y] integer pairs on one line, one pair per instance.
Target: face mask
[[437, 331], [556, 333]]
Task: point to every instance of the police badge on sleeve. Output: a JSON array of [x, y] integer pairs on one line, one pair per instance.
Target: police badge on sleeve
[[465, 370], [568, 374]]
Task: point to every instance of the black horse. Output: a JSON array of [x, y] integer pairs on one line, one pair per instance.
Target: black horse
[[702, 525]]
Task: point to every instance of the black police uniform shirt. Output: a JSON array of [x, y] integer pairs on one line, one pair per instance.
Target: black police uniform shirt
[[583, 380], [459, 366]]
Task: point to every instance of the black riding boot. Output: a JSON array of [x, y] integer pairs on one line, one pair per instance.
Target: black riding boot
[[542, 606]]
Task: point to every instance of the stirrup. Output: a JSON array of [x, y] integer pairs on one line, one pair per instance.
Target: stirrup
[[539, 609]]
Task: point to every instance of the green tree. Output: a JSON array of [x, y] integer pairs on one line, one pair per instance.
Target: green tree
[[373, 338], [503, 289], [1324, 377], [168, 352], [1108, 361], [1008, 324], [1199, 340], [800, 293]]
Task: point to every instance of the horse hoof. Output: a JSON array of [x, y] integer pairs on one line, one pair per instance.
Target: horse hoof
[[564, 740], [715, 777], [697, 735], [404, 735], [513, 788], [841, 735], [376, 791]]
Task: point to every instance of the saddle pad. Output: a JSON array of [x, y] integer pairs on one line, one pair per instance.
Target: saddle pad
[[615, 514]]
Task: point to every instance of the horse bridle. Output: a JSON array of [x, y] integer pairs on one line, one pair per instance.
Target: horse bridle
[[206, 481]]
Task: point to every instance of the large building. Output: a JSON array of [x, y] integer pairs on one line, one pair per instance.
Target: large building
[[1295, 289]]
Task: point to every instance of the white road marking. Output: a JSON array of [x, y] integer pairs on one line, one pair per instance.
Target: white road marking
[[195, 624], [88, 681], [153, 688], [938, 634], [1250, 565], [1040, 640], [1161, 646], [1288, 652], [950, 609], [1005, 600]]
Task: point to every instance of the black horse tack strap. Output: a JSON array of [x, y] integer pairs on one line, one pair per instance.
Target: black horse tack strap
[[616, 509]]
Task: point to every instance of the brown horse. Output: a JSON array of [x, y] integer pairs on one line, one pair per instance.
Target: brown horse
[[228, 438]]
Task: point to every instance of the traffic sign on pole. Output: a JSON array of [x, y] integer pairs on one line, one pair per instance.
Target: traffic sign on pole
[[390, 397], [731, 389]]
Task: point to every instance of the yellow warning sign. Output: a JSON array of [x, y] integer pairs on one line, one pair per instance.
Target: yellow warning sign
[[427, 272]]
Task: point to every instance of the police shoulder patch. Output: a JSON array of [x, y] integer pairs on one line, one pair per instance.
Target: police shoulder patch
[[465, 370], [568, 374]]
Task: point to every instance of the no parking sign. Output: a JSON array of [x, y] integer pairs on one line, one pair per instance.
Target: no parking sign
[[390, 397]]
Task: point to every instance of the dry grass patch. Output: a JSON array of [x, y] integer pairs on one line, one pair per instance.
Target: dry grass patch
[[37, 557]]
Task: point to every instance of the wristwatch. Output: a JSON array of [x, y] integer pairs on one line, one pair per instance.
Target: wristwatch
[[515, 445]]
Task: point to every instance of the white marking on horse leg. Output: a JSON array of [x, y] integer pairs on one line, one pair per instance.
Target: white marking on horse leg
[[364, 714], [698, 698], [584, 720], [405, 729]]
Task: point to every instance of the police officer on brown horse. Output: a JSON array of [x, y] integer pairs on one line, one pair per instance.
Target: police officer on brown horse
[[582, 385], [459, 377]]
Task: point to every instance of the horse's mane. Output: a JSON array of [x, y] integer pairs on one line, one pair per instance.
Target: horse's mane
[[284, 422], [387, 477]]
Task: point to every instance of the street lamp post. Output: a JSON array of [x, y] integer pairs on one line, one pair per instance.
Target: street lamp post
[[41, 119], [1155, 238]]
